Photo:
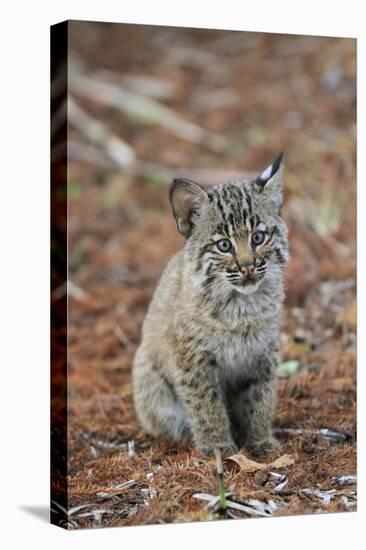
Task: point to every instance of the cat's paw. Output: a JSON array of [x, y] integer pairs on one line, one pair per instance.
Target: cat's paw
[[262, 446], [226, 449]]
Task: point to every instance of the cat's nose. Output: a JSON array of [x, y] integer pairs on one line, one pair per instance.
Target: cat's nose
[[247, 269]]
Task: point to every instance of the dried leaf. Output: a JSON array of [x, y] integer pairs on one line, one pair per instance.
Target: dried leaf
[[247, 465]]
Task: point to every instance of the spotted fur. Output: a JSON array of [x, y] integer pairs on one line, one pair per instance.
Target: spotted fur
[[205, 368]]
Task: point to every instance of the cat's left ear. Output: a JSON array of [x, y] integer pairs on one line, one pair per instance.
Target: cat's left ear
[[270, 182], [187, 199]]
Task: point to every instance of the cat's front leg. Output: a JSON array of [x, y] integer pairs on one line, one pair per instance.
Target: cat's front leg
[[253, 410], [197, 387]]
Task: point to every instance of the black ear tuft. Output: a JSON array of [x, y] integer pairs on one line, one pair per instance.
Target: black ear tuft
[[270, 171], [277, 163]]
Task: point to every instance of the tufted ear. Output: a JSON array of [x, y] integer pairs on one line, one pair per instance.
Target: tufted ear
[[270, 182], [187, 198]]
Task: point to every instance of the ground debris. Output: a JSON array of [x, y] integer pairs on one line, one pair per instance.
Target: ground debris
[[326, 496], [331, 435], [110, 445], [252, 507], [121, 234], [344, 480], [116, 489]]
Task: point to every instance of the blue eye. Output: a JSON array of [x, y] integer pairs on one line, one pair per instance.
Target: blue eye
[[224, 245], [257, 238]]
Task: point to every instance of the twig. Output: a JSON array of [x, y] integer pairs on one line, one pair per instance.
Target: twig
[[131, 447], [150, 86], [343, 480], [196, 58], [323, 432], [101, 444], [87, 154], [110, 492], [122, 337], [220, 473]]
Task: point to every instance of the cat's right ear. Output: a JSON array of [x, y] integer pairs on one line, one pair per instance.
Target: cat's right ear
[[270, 182], [187, 198]]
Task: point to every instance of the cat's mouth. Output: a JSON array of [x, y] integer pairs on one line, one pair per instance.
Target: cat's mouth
[[247, 285]]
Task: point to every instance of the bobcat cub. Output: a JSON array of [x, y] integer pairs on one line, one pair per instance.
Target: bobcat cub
[[205, 369]]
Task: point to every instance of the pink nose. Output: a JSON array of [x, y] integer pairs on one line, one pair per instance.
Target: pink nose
[[247, 269]]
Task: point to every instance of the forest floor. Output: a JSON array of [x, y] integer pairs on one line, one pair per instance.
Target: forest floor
[[122, 234]]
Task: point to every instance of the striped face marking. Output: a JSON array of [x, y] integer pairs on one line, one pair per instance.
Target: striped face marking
[[245, 241]]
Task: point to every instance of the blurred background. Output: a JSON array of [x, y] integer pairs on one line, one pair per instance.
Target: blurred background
[[147, 104]]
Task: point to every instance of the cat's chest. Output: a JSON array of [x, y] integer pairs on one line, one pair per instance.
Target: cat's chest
[[240, 352]]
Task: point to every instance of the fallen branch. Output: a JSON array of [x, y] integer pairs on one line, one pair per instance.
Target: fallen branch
[[89, 154], [344, 480], [331, 435], [98, 133], [141, 107], [116, 489]]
